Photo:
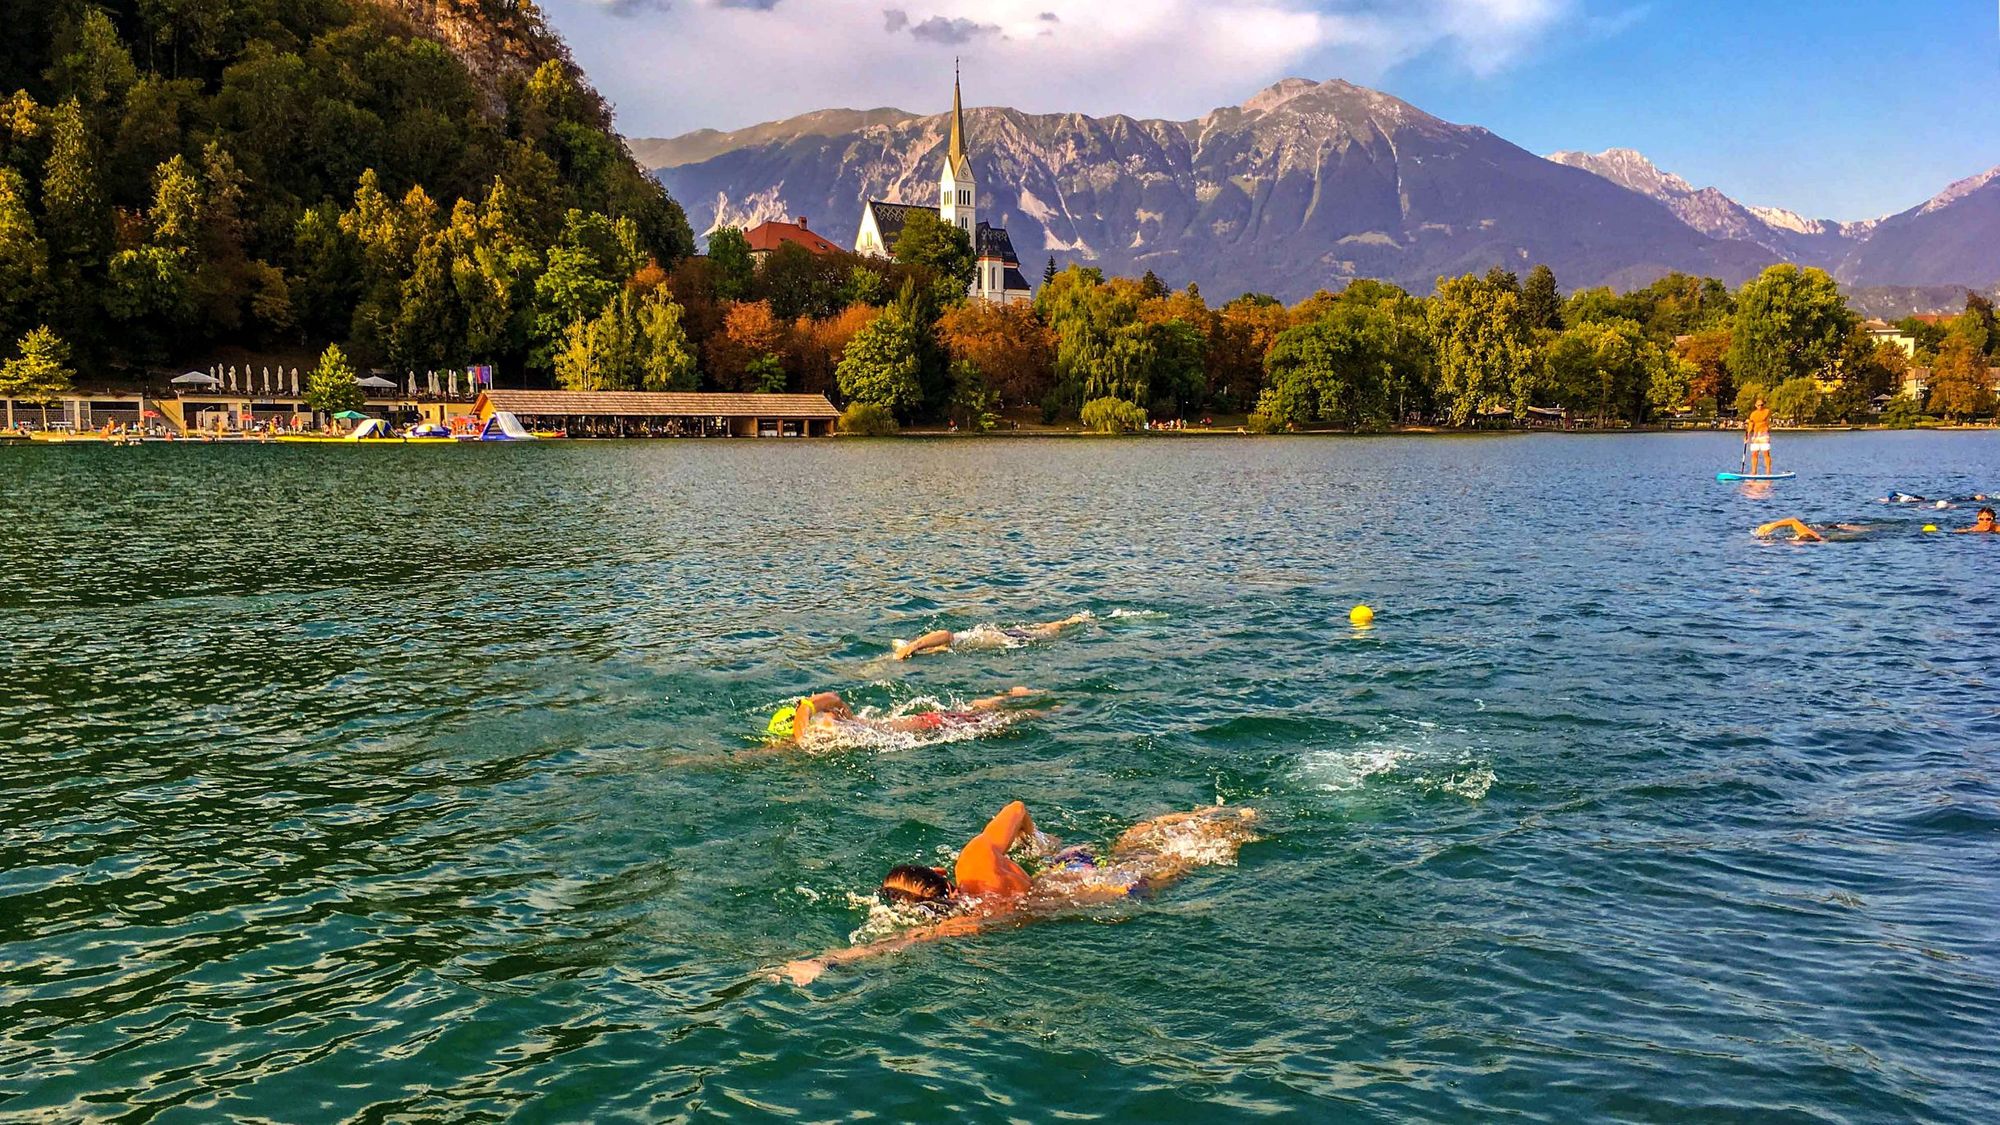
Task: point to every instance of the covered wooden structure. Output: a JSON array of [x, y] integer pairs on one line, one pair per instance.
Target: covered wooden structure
[[663, 414]]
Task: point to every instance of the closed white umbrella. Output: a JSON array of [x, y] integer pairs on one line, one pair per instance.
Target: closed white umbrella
[[232, 376], [295, 382]]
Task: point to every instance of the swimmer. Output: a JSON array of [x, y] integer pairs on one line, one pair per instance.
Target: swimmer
[[1809, 533], [943, 640], [1982, 524], [817, 716], [988, 887]]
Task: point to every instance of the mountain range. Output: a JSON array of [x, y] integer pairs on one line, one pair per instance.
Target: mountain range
[[1307, 185]]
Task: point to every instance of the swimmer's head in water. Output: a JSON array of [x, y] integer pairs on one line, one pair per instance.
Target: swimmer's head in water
[[911, 884], [1984, 520], [781, 724]]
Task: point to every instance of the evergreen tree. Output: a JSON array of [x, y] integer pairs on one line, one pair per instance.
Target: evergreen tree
[[1049, 273], [331, 388], [1541, 303], [40, 372]]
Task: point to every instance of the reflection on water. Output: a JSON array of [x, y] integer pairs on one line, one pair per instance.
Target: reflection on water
[[382, 784]]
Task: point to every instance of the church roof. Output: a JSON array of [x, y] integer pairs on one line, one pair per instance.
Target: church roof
[[992, 242], [1012, 279], [891, 218]]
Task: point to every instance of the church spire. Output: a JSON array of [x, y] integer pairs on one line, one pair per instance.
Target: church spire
[[960, 164]]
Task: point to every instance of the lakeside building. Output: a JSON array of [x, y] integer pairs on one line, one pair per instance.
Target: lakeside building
[[770, 234], [209, 411], [663, 413], [997, 275], [1883, 332]]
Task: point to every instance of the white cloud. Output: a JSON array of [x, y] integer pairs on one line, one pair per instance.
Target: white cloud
[[675, 65]]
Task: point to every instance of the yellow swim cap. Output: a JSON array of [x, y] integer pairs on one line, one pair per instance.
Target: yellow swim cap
[[781, 722]]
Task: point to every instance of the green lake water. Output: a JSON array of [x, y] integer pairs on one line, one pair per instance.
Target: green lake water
[[403, 783]]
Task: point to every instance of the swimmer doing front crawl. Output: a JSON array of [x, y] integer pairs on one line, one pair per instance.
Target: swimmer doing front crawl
[[826, 715], [1982, 524], [984, 636], [989, 887]]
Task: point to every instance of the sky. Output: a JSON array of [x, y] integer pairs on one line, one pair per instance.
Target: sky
[[1836, 109]]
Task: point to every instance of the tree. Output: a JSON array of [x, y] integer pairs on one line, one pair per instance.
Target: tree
[[331, 388], [928, 241], [1481, 347], [1009, 345], [1612, 369], [1708, 354], [1541, 303], [667, 357], [1049, 273], [40, 373], [636, 343], [1747, 397], [867, 419], [1797, 400], [881, 365], [1111, 416], [734, 271], [1961, 382], [24, 257], [1338, 369], [1790, 323], [750, 335]]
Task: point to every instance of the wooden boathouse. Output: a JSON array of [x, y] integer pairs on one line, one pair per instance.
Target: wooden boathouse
[[585, 414]]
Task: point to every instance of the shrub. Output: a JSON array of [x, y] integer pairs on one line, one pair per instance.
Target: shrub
[[868, 419], [1262, 424], [1901, 413], [1112, 416]]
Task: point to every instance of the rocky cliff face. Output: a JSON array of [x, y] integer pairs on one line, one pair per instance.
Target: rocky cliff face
[[1788, 236], [1305, 185], [495, 39]]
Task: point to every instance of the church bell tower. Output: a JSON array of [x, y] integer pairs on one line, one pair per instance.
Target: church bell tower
[[958, 196]]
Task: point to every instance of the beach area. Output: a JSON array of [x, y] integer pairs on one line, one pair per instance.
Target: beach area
[[420, 787]]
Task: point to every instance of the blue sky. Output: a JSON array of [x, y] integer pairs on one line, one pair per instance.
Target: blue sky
[[1835, 109]]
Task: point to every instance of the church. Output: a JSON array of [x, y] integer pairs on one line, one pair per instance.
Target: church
[[997, 276]]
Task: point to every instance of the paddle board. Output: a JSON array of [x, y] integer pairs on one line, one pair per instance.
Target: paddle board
[[1755, 476]]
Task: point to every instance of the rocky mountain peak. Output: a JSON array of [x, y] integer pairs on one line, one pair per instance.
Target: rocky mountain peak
[[1628, 168], [1960, 190]]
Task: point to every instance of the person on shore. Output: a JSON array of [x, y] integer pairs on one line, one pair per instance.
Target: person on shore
[[989, 887], [1757, 436], [818, 717], [984, 636], [1982, 524]]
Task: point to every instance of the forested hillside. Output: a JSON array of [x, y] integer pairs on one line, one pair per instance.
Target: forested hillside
[[429, 181]]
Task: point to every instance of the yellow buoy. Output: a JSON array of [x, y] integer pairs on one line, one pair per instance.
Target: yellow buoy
[[1361, 616], [1930, 527]]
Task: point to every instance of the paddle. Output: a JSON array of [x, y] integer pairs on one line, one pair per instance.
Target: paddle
[[1743, 461]]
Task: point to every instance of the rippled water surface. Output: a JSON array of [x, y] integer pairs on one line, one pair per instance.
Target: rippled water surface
[[398, 784]]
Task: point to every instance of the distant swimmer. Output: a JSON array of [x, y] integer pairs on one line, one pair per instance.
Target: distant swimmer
[[827, 715], [989, 887], [1982, 524], [985, 636], [1757, 436]]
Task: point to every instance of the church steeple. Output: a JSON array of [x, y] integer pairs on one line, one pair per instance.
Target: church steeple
[[958, 196], [961, 165]]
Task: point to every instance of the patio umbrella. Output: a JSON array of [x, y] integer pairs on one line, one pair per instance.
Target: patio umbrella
[[350, 416], [376, 382], [193, 378]]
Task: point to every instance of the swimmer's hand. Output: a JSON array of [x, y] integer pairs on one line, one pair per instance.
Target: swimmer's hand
[[803, 972]]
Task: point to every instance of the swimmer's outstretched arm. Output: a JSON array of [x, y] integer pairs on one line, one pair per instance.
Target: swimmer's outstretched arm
[[995, 702], [808, 970], [1798, 530], [938, 640]]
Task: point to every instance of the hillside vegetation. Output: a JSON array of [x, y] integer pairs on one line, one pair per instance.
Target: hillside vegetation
[[430, 182]]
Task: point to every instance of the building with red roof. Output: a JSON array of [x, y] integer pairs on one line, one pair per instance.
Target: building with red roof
[[771, 234]]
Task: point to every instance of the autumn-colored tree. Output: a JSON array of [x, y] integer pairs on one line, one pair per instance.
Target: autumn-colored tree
[[749, 333], [1708, 353], [813, 348], [1243, 333], [1961, 382], [1013, 350]]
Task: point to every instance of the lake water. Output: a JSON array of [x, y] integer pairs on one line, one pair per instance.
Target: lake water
[[397, 784]]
